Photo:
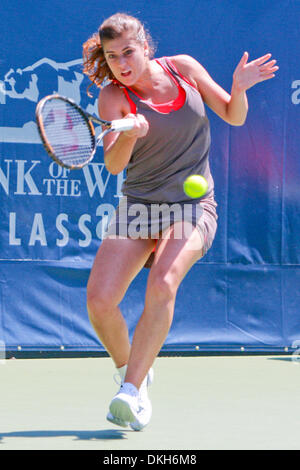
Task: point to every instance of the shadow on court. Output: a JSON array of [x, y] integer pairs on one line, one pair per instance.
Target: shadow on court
[[104, 435], [294, 359]]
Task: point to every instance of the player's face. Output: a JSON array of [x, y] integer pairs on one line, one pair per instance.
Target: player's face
[[126, 58]]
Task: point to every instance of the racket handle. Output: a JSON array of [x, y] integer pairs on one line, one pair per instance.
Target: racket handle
[[119, 125]]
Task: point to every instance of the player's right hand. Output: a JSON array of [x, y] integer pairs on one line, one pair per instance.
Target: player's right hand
[[140, 128]]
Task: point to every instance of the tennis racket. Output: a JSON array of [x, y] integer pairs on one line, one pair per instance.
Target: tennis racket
[[67, 132]]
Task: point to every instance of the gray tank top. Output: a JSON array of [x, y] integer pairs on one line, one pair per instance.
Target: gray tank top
[[176, 146]]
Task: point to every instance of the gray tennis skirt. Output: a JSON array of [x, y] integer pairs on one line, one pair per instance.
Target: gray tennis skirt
[[134, 220]]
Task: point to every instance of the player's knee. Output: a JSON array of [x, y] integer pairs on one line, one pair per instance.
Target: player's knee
[[99, 301], [162, 286]]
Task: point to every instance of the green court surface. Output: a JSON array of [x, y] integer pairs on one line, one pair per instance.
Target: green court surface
[[199, 403]]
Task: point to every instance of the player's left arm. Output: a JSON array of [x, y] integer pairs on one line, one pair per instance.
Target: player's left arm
[[232, 108]]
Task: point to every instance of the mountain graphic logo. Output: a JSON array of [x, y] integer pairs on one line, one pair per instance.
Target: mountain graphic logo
[[21, 89]]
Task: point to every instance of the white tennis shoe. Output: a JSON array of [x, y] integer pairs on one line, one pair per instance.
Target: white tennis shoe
[[119, 422], [119, 379], [145, 406], [125, 405], [132, 406]]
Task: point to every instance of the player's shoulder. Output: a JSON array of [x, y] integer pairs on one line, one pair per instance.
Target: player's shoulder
[[184, 60], [188, 66], [112, 101], [111, 92]]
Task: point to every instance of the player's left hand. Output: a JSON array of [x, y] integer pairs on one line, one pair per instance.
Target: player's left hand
[[247, 74]]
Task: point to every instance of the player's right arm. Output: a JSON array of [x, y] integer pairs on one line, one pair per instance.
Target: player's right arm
[[118, 147]]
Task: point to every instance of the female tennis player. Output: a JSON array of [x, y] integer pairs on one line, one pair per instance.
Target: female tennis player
[[170, 141]]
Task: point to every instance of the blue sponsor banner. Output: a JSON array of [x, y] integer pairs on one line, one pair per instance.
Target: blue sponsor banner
[[245, 291]]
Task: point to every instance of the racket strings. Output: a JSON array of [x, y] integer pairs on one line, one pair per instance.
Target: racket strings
[[67, 132]]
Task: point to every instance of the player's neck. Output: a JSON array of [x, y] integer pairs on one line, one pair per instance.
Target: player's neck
[[150, 80]]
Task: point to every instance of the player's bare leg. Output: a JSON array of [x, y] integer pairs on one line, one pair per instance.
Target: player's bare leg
[[116, 264], [173, 259]]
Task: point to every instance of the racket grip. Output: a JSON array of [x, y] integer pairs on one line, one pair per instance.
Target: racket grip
[[119, 125]]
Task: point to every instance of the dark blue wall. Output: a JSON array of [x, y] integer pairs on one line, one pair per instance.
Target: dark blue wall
[[246, 291]]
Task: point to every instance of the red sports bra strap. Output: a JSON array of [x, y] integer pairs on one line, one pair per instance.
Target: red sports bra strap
[[168, 71], [125, 91], [173, 67], [131, 103]]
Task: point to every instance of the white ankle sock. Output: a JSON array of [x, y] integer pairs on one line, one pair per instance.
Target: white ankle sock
[[122, 372]]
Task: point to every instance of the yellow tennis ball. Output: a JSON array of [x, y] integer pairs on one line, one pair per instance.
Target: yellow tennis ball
[[195, 186]]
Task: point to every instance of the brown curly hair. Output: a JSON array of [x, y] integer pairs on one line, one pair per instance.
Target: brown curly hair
[[94, 63]]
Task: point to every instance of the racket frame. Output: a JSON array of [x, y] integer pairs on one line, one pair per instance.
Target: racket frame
[[110, 126]]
